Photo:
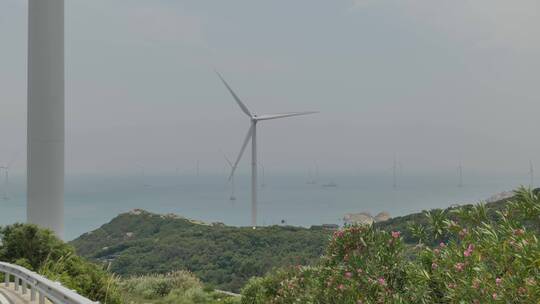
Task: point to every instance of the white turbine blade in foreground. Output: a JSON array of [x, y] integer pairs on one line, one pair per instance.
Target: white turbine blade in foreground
[[283, 115], [244, 145], [240, 103]]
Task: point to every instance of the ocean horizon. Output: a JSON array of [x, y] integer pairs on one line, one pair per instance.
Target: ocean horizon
[[91, 201]]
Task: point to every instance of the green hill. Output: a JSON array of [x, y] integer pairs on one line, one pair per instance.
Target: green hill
[[140, 242]]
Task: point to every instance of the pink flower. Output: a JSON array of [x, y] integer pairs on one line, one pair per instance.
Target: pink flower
[[348, 275], [494, 296], [463, 232], [519, 232], [396, 234], [359, 270], [436, 251], [382, 281], [459, 267], [451, 285], [469, 250], [434, 266], [341, 287], [442, 245], [498, 281]]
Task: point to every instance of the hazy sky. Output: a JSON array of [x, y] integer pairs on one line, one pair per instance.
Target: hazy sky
[[435, 82]]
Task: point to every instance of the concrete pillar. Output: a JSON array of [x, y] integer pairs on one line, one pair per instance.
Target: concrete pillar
[[17, 281], [45, 128], [23, 283], [41, 298], [33, 294], [6, 279]]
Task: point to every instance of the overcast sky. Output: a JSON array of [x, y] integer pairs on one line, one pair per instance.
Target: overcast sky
[[436, 82]]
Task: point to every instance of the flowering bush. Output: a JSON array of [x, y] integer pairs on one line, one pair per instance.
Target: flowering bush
[[476, 258]]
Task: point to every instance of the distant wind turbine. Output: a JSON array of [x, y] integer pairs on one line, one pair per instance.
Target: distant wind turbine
[[6, 182], [394, 173], [233, 197], [252, 135], [6, 168], [460, 175], [531, 173]]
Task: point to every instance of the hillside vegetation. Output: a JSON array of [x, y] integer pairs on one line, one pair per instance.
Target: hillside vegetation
[[180, 287], [139, 242], [471, 254], [40, 251]]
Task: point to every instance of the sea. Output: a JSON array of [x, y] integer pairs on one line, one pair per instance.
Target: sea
[[91, 201]]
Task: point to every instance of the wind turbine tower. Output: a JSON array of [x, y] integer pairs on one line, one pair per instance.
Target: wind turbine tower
[[460, 175], [531, 173], [6, 182], [394, 173], [252, 135], [45, 124]]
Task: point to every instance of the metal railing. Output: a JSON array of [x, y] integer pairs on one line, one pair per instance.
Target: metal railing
[[40, 288]]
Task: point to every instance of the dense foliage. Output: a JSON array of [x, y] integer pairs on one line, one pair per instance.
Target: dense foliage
[[39, 250], [479, 257], [140, 242], [179, 287]]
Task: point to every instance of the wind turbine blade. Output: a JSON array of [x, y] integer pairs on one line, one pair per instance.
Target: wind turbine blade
[[244, 145], [283, 115], [238, 101], [227, 159]]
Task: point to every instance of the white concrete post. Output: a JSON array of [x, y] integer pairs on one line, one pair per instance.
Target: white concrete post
[[17, 283], [41, 298], [33, 294], [23, 283], [6, 279], [45, 128]]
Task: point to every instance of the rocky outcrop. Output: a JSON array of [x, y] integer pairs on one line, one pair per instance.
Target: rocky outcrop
[[364, 218]]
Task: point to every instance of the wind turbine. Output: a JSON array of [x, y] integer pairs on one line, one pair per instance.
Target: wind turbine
[[460, 175], [6, 182], [6, 168], [394, 173], [233, 197], [252, 135], [531, 173]]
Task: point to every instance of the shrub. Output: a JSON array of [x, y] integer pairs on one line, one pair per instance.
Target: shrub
[[161, 285], [477, 259], [39, 250], [180, 287]]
